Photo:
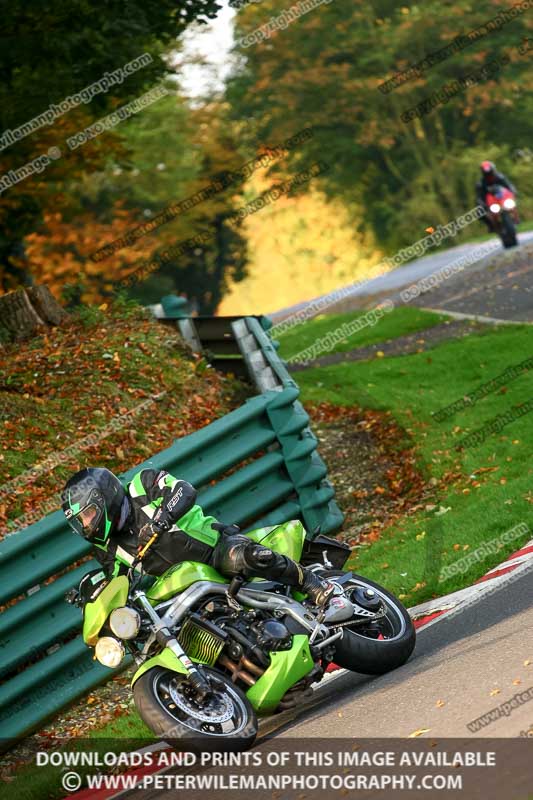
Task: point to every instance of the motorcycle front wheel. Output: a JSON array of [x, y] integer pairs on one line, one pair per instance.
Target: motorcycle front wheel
[[222, 721], [508, 234], [375, 647]]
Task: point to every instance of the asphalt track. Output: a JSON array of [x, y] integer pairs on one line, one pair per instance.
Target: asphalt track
[[459, 659], [498, 286], [464, 666]]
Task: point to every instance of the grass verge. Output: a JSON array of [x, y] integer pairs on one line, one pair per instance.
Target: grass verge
[[481, 490], [399, 322]]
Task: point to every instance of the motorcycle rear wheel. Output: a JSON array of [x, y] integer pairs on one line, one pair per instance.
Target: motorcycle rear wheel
[[378, 647], [225, 721]]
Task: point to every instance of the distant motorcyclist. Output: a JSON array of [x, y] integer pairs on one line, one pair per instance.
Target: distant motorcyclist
[[118, 521], [490, 177]]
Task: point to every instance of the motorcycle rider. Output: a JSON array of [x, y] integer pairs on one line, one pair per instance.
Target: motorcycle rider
[[120, 521], [490, 177]]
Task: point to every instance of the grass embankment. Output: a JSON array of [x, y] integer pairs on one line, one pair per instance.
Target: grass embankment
[[481, 490], [127, 382], [399, 322], [110, 388]]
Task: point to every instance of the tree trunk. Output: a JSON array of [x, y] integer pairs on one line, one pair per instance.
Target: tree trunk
[[46, 305], [26, 312], [18, 316]]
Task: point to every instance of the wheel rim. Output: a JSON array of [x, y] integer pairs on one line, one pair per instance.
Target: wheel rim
[[223, 713], [389, 627]]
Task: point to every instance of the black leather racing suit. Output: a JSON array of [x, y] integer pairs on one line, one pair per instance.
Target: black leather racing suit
[[155, 495]]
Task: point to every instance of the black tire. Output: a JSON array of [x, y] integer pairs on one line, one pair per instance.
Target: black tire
[[372, 656], [508, 231], [149, 691]]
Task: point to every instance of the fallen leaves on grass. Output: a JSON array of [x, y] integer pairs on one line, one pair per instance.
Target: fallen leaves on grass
[[110, 394], [383, 482], [442, 510]]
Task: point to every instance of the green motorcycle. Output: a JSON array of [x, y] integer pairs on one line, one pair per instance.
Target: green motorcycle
[[214, 653]]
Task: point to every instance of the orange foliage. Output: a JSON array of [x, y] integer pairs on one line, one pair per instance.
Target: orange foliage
[[59, 252]]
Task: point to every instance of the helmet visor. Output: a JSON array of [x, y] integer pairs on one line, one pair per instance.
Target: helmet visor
[[86, 521]]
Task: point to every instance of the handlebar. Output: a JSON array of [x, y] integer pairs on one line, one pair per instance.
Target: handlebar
[[72, 597]]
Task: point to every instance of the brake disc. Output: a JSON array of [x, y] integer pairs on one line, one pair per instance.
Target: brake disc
[[222, 713]]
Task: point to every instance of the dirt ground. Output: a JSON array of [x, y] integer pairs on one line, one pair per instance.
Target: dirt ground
[[372, 465]]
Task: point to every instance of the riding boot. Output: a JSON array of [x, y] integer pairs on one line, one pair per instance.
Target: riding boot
[[317, 590], [236, 554], [289, 572], [307, 582]]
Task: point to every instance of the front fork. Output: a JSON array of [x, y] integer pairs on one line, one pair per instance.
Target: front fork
[[167, 639]]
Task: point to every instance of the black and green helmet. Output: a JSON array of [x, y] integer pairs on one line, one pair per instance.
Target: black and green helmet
[[92, 502]]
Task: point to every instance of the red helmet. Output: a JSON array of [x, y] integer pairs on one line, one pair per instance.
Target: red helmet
[[487, 168]]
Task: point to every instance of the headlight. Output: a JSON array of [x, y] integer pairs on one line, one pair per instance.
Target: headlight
[[509, 203], [109, 651], [494, 207], [125, 622]]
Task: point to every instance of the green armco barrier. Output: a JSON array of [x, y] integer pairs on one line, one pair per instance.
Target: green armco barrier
[[212, 336], [298, 443], [175, 307], [44, 664], [38, 693], [40, 622], [260, 352]]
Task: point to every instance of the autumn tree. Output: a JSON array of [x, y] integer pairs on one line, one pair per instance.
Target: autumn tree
[[175, 151], [59, 254], [324, 70], [51, 52]]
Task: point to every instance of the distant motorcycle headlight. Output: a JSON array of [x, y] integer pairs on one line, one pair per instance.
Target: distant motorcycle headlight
[[509, 203], [494, 207], [109, 651], [125, 622]]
